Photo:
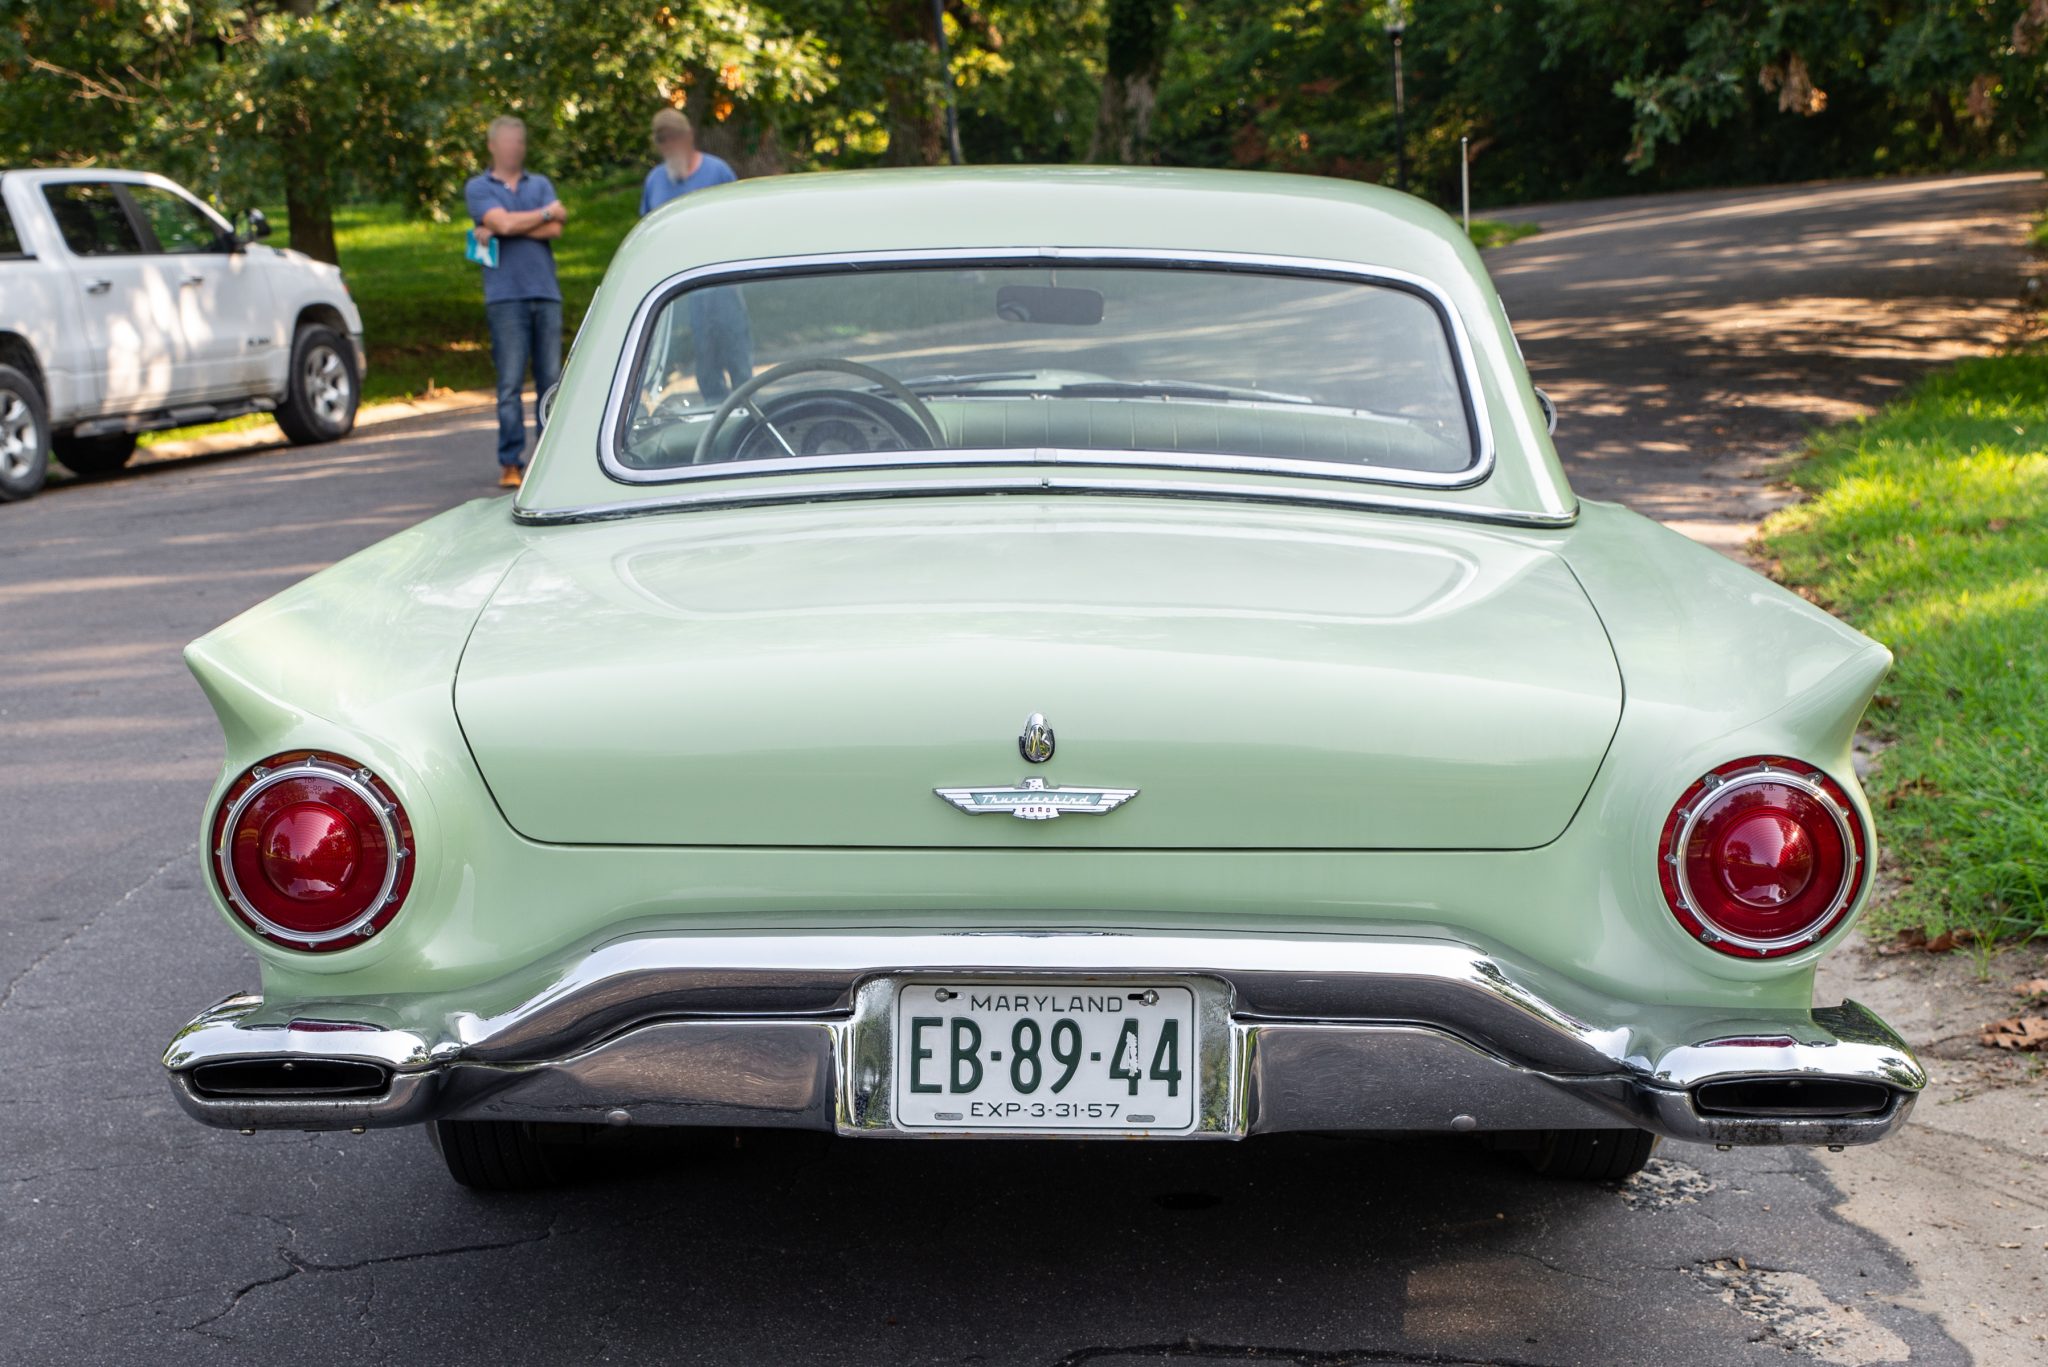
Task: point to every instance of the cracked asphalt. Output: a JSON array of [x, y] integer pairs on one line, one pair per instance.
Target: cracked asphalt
[[129, 1234]]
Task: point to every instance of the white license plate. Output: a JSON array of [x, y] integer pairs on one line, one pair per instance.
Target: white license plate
[[1117, 1057]]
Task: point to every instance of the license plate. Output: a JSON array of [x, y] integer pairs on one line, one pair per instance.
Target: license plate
[[1119, 1057]]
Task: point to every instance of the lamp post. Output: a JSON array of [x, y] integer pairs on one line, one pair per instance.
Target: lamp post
[[1397, 25]]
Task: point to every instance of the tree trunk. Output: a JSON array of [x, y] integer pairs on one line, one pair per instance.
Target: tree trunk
[[1134, 55], [915, 118], [308, 199]]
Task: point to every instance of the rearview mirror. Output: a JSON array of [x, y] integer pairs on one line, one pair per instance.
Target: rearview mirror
[[256, 225], [1048, 304]]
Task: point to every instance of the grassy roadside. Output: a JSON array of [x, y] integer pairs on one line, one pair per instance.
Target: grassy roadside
[[1491, 232], [1928, 529], [422, 303]]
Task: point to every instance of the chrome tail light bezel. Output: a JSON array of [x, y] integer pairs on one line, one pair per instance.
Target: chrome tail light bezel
[[368, 788], [1757, 771]]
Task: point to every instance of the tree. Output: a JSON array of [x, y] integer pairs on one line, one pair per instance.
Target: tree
[[318, 101], [1134, 56]]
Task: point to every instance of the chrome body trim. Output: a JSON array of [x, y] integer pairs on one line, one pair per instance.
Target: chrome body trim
[[1036, 742], [757, 496], [396, 850], [630, 363], [1298, 1032]]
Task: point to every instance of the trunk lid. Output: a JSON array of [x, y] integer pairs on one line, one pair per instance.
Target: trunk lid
[[1274, 678]]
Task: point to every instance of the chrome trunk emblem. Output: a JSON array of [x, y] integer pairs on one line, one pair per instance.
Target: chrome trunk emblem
[[1033, 799], [1035, 741]]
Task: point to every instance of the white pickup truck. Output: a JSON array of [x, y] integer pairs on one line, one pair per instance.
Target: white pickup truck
[[128, 306]]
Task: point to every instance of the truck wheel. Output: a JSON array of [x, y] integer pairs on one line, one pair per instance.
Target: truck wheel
[[323, 388], [1592, 1155], [94, 457], [495, 1155], [24, 436]]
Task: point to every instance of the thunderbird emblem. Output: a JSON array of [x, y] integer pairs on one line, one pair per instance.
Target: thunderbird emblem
[[1034, 799]]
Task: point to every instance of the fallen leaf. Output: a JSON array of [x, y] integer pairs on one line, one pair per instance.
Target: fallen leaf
[[2024, 1033], [1917, 940], [2033, 987]]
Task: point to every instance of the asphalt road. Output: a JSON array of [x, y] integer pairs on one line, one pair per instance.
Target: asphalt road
[[130, 1234], [1691, 340]]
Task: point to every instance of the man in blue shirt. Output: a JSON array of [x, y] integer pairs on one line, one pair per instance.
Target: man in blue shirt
[[518, 211], [723, 338]]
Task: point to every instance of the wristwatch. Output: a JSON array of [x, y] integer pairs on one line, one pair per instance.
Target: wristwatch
[[547, 213]]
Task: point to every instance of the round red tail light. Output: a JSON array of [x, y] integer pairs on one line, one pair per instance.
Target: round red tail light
[[1762, 857], [312, 851]]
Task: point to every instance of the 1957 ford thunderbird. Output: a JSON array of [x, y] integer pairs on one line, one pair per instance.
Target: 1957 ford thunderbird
[[1070, 653]]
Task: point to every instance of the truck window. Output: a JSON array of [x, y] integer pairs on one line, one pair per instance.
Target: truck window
[[10, 241], [92, 218], [180, 225]]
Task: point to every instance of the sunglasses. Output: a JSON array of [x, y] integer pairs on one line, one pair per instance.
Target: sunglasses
[[672, 135]]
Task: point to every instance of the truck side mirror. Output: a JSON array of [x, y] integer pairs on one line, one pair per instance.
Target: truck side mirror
[[258, 225]]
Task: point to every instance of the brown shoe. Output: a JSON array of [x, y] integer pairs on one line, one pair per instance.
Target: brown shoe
[[511, 478]]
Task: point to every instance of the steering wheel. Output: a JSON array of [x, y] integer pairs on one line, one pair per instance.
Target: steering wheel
[[742, 399]]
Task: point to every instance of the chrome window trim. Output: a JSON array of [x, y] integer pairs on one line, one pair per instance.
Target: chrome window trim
[[1060, 483], [735, 272], [1852, 866], [395, 849]]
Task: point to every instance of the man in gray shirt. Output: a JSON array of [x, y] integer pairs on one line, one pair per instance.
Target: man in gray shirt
[[518, 211]]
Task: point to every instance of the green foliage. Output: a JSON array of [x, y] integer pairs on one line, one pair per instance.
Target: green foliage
[[1928, 528], [331, 101]]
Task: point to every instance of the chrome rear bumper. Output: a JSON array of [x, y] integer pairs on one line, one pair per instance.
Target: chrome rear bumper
[[1326, 1033]]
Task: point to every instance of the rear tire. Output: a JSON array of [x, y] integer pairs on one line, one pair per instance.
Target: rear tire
[[24, 436], [495, 1155], [95, 457], [323, 388], [1592, 1155]]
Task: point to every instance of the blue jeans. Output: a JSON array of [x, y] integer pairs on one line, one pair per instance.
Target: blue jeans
[[523, 332], [724, 340]]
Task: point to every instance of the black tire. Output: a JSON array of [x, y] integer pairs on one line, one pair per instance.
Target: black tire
[[322, 388], [1592, 1155], [94, 457], [495, 1155], [24, 436]]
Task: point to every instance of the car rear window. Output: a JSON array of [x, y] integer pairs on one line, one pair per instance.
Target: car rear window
[[92, 219], [1145, 364]]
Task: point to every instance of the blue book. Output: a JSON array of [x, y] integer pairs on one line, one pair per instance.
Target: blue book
[[485, 254]]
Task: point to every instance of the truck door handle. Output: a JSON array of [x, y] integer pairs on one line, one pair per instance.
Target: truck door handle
[[98, 286], [189, 281]]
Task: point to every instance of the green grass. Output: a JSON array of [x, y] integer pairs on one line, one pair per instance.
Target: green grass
[[1489, 232], [1928, 529], [422, 302]]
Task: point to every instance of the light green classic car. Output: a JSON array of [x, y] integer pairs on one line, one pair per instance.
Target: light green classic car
[[1085, 653]]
